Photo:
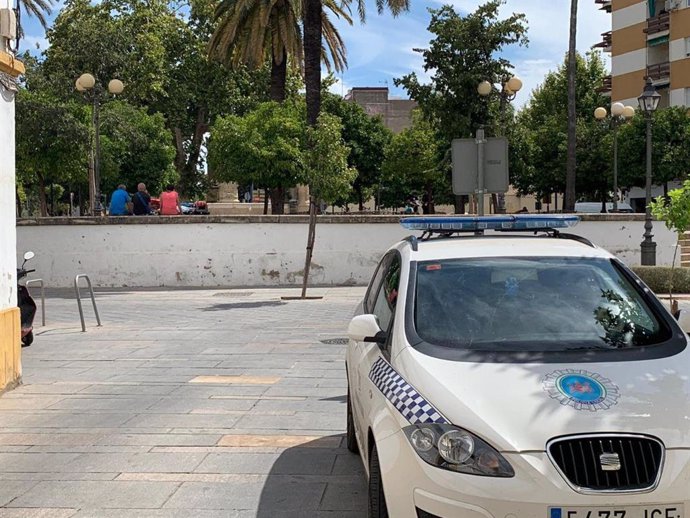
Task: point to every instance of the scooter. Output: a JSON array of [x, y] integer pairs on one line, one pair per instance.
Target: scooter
[[27, 306]]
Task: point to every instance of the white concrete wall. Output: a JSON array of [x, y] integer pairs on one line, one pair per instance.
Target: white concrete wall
[[250, 254], [8, 295]]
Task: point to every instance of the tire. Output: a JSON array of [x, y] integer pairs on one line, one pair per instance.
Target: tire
[[351, 436], [28, 339], [377, 499]]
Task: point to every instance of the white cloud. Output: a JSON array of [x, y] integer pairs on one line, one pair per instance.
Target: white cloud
[[340, 87], [33, 43]]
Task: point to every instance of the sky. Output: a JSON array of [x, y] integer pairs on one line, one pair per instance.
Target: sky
[[381, 50]]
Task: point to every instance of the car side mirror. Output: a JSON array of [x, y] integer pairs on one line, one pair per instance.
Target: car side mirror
[[365, 328], [683, 318]]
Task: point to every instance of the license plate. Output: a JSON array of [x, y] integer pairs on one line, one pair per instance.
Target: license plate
[[632, 511]]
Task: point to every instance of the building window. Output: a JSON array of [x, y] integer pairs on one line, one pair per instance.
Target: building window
[[687, 44], [687, 97]]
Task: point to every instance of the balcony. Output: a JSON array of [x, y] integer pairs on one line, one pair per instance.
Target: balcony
[[659, 72], [605, 43], [606, 85], [660, 23], [605, 5]]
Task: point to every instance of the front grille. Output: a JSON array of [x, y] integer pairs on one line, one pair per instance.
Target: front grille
[[580, 461]]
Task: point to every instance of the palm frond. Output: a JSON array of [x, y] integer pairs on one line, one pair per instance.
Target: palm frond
[[38, 9]]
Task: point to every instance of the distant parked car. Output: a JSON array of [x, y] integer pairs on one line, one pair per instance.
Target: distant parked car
[[593, 207], [194, 207]]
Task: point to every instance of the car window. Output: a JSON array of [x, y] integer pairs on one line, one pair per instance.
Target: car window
[[375, 283], [531, 304], [387, 296]]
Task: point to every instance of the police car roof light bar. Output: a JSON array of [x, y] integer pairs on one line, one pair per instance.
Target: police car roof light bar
[[518, 222]]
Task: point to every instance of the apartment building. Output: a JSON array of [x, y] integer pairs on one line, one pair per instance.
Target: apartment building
[[396, 113], [648, 38]]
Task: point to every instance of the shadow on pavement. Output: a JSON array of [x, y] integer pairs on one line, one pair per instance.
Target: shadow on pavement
[[244, 305], [316, 479]]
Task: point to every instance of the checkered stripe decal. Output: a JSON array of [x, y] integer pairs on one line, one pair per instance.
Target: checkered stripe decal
[[404, 397]]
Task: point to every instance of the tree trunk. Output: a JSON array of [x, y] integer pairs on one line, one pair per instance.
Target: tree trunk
[[311, 237], [18, 201], [278, 200], [312, 80], [459, 203], [187, 160], [312, 58], [428, 207], [278, 78], [267, 193], [42, 196], [360, 196], [570, 170]]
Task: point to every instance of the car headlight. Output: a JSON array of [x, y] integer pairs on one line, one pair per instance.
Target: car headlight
[[452, 448]]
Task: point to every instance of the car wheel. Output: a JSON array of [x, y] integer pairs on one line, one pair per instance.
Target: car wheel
[[28, 339], [377, 500], [351, 437]]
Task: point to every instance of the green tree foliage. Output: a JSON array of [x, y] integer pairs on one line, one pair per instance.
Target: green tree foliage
[[161, 56], [670, 147], [271, 147], [52, 139], [367, 138], [325, 159], [539, 135], [135, 147], [264, 147], [410, 167], [674, 210], [464, 52]]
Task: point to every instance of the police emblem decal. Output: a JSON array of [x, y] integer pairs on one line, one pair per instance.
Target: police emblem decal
[[581, 389]]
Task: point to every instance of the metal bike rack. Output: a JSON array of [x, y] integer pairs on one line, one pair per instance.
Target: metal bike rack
[[93, 300], [43, 297]]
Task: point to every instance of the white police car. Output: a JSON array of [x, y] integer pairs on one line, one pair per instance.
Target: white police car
[[517, 375]]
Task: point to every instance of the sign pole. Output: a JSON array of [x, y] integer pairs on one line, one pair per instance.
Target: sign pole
[[481, 141]]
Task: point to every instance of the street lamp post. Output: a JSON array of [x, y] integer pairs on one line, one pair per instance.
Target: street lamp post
[[507, 92], [95, 94], [619, 114], [649, 101]]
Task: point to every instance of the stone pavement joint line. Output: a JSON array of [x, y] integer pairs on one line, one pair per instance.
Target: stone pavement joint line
[[179, 407], [238, 380]]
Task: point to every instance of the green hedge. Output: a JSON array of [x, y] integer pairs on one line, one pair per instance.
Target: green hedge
[[657, 277]]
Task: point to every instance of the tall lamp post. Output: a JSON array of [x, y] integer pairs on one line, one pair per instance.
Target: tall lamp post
[[649, 102], [507, 91], [619, 114], [95, 93]]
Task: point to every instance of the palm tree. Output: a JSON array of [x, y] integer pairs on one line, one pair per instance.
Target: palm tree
[[249, 30], [570, 170], [39, 9], [313, 13]]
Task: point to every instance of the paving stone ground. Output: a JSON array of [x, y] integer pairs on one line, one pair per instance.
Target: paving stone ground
[[199, 403]]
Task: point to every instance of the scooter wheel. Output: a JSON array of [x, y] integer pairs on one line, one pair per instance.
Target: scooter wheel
[[28, 339]]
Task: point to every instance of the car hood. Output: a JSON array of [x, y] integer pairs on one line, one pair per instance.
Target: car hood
[[520, 407]]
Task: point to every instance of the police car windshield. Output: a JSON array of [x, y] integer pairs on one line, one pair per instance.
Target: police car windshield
[[545, 304]]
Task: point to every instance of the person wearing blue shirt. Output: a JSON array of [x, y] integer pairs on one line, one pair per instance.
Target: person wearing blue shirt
[[118, 202]]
